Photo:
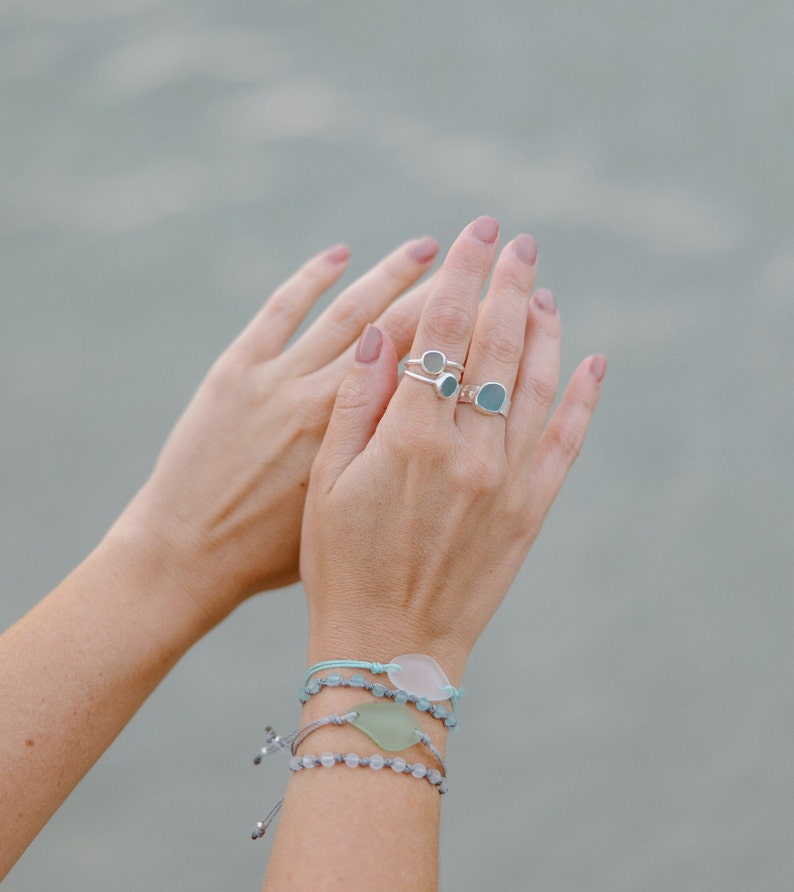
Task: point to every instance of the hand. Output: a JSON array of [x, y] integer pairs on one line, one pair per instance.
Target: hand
[[225, 501], [421, 510]]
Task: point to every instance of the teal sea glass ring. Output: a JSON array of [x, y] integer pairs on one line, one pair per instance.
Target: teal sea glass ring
[[446, 385], [490, 398]]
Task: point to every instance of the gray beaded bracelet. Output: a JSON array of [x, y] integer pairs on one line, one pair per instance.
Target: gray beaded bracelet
[[335, 680]]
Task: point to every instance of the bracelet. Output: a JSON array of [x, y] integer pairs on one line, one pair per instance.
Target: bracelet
[[415, 673], [390, 725], [423, 704], [376, 762]]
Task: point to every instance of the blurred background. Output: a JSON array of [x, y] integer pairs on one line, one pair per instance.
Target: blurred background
[[629, 713]]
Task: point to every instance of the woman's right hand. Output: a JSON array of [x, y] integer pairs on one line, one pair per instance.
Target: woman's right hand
[[421, 510]]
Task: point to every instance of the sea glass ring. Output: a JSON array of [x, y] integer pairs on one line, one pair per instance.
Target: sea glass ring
[[490, 398], [434, 362], [445, 385]]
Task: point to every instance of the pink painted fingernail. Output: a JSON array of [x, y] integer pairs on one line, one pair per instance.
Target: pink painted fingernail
[[545, 300], [424, 249], [486, 229], [338, 254], [598, 368], [526, 249], [369, 344]]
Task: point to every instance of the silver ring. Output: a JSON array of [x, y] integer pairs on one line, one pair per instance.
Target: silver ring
[[445, 385], [434, 362], [490, 398]]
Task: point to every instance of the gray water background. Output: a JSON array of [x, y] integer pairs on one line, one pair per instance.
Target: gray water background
[[629, 713]]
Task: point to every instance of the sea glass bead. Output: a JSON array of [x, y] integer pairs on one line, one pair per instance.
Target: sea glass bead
[[391, 725], [434, 776], [401, 696], [419, 770], [421, 675], [423, 704], [376, 762], [352, 760], [304, 696], [313, 687], [327, 760], [308, 760], [334, 680], [378, 690], [356, 680], [295, 763], [398, 765]]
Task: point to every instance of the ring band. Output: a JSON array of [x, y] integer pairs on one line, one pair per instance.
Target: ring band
[[445, 385], [490, 398], [434, 362]]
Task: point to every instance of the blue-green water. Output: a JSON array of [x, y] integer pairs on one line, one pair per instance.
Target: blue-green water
[[629, 713]]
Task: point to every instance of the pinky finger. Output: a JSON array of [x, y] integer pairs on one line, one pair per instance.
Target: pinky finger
[[563, 438]]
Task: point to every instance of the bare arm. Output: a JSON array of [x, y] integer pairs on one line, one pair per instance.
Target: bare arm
[[218, 521]]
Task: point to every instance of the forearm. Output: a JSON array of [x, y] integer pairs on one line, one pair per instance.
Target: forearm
[[76, 668]]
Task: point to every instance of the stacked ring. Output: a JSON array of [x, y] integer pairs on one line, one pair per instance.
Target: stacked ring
[[490, 398], [434, 364]]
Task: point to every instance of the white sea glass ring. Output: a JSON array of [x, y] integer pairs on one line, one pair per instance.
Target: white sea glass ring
[[490, 398], [445, 385], [434, 362]]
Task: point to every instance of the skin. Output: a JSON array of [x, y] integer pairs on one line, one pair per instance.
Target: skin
[[419, 514], [218, 520]]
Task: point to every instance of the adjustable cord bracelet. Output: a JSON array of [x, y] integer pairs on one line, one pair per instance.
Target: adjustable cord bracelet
[[416, 673], [390, 725], [335, 680]]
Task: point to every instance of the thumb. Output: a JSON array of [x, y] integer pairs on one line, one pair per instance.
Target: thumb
[[361, 400]]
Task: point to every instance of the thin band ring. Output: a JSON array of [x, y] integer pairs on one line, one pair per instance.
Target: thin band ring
[[490, 398], [434, 362], [446, 385]]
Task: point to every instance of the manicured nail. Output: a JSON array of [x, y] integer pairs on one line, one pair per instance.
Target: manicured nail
[[526, 249], [598, 368], [424, 249], [486, 229], [545, 300], [339, 254], [369, 344]]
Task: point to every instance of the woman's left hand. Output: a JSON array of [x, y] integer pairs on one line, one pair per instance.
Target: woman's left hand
[[224, 503]]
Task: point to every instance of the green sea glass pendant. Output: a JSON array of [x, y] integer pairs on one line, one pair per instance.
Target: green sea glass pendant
[[391, 725]]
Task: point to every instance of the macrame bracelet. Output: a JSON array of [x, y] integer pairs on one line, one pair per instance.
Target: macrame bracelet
[[415, 673], [423, 704]]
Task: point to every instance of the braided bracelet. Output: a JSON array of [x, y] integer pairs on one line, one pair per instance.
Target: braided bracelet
[[335, 680], [416, 673]]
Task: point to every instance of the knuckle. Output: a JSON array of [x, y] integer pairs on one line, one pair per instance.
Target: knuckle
[[503, 342], [344, 313], [542, 388], [568, 442], [448, 320]]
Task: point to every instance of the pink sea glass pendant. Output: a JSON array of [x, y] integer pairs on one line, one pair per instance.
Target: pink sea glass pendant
[[420, 675]]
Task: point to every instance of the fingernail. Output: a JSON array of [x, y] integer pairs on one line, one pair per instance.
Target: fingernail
[[338, 254], [526, 249], [598, 368], [424, 249], [545, 300], [369, 344], [485, 229]]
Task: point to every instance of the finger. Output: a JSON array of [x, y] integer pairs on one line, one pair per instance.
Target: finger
[[398, 321], [340, 325], [564, 436], [538, 377], [268, 332], [360, 403], [448, 318], [498, 340]]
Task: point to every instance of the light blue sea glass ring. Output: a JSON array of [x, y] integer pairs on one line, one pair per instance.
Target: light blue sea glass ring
[[490, 398], [445, 385]]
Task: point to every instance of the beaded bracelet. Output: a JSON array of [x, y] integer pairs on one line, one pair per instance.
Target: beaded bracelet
[[335, 680], [417, 673]]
